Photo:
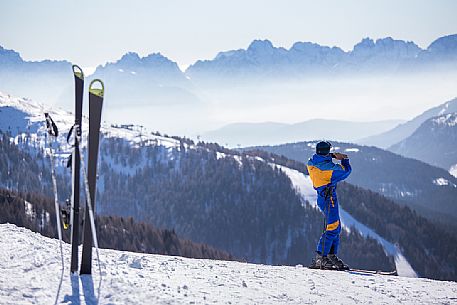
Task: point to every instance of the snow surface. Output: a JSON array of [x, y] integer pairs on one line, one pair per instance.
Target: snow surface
[[443, 182], [453, 170], [449, 119], [304, 186], [302, 183], [32, 120], [31, 274], [352, 150]]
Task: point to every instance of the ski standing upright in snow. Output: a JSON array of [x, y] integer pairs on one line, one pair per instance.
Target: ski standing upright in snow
[[76, 166], [95, 113]]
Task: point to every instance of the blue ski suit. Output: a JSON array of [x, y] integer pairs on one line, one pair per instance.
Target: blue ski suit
[[325, 175]]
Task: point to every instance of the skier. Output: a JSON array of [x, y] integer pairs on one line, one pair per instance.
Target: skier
[[325, 175]]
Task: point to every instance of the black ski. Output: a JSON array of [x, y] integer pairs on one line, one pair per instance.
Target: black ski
[[95, 113], [76, 166]]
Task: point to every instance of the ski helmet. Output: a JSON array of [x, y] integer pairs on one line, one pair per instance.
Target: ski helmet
[[323, 148]]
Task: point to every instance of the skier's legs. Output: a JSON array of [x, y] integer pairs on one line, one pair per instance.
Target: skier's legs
[[331, 241], [335, 244]]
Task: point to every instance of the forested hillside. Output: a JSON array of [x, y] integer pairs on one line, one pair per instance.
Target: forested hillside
[[429, 190], [431, 251], [238, 204], [37, 213]]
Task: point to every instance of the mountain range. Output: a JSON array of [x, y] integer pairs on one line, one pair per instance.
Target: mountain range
[[271, 133], [212, 93], [262, 59]]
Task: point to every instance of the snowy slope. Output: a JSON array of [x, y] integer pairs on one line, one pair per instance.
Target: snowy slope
[[304, 185], [31, 273], [21, 116]]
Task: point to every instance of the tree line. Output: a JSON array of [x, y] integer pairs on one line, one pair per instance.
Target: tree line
[[37, 213]]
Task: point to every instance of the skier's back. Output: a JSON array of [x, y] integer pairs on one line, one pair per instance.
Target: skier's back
[[325, 175]]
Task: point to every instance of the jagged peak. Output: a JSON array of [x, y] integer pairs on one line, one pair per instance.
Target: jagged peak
[[130, 56], [365, 44], [155, 58], [10, 54], [258, 45], [386, 44], [389, 41], [300, 45], [311, 46], [444, 43]]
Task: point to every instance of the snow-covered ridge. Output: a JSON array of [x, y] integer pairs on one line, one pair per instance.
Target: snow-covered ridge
[[32, 120], [449, 119], [31, 274]]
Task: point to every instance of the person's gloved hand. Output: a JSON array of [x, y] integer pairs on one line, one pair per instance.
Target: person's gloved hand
[[339, 156]]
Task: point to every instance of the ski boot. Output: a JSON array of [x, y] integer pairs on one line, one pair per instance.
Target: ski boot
[[322, 262], [338, 262]]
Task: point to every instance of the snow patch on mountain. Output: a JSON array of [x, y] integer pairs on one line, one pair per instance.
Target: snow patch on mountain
[[401, 263], [443, 182], [25, 118], [352, 150], [445, 107], [449, 119], [453, 170], [302, 184], [31, 274]]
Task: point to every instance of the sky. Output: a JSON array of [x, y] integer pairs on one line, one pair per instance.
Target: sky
[[91, 32]]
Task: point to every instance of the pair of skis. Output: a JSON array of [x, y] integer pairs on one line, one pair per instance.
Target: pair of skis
[[371, 272], [95, 113], [365, 272]]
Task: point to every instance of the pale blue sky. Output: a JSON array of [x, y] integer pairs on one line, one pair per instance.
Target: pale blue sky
[[90, 32]]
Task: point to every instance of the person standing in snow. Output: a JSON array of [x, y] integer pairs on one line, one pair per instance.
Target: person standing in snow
[[325, 175]]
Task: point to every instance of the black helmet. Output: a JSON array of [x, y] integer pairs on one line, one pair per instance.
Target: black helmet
[[323, 148]]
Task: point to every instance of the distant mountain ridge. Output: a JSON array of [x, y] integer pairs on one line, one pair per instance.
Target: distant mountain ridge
[[154, 64], [401, 132], [33, 78], [270, 133], [261, 58], [434, 142], [149, 80]]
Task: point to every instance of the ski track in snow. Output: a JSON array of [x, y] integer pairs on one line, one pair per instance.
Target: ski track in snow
[[304, 186], [31, 272]]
